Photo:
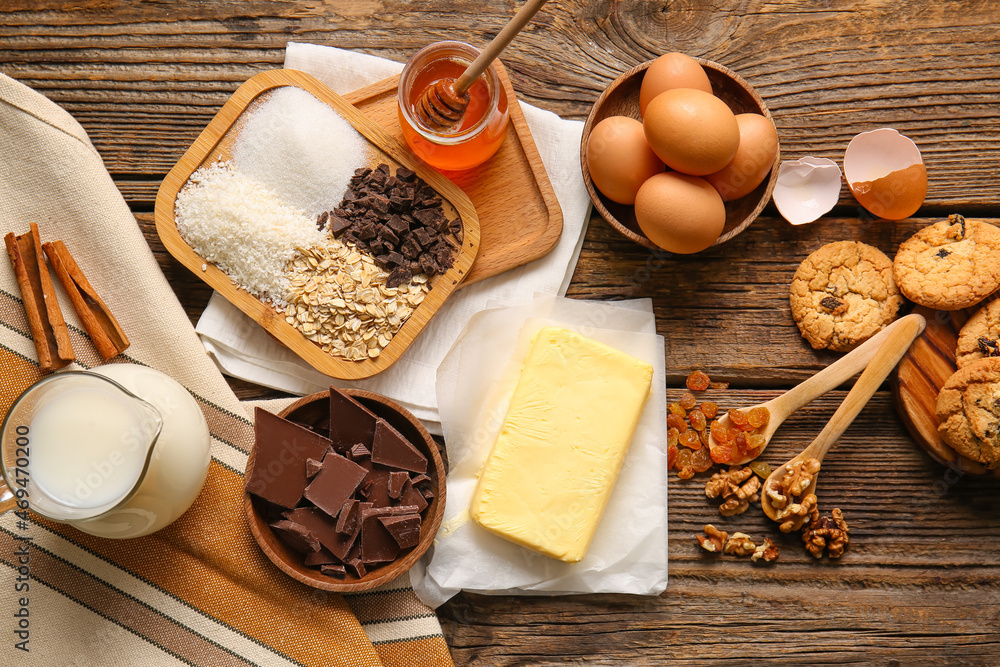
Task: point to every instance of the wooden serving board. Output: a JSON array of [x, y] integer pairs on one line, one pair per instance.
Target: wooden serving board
[[519, 216], [215, 143], [920, 375]]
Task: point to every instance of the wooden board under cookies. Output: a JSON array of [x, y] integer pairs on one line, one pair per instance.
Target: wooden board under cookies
[[519, 216], [919, 377]]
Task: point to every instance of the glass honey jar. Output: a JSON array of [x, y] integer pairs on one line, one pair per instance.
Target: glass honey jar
[[483, 126]]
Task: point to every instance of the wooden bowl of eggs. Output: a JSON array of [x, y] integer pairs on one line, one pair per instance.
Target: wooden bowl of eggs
[[680, 153]]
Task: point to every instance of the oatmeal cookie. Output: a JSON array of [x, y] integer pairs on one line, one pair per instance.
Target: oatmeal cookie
[[980, 337], [968, 412], [951, 264], [843, 294]]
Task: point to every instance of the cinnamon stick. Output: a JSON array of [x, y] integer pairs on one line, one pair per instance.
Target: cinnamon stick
[[104, 330], [48, 328]]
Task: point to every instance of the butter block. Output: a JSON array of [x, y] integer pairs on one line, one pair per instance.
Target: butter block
[[555, 460]]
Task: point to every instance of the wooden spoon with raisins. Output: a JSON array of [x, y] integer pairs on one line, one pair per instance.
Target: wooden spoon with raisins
[[742, 435]]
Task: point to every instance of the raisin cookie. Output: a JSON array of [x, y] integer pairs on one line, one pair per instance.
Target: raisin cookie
[[968, 412], [980, 337], [843, 294], [951, 264]]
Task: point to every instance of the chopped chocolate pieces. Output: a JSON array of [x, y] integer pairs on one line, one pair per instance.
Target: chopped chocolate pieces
[[321, 557], [399, 276], [333, 570], [404, 529], [335, 483], [397, 219], [296, 536], [279, 467], [369, 487], [349, 517], [393, 450], [350, 422], [396, 481], [409, 495], [312, 467]]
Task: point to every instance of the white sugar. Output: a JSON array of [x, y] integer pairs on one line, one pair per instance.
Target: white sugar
[[300, 148], [243, 228]]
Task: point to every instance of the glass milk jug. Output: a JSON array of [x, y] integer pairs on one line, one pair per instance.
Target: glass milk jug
[[120, 451]]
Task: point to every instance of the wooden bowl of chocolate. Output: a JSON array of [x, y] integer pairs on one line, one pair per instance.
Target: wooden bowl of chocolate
[[345, 489], [621, 98]]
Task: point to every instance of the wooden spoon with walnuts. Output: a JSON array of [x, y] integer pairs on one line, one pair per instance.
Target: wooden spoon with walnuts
[[778, 498], [831, 377]]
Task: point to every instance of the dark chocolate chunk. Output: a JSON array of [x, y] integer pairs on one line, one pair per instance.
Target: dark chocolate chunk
[[429, 265], [388, 236], [404, 529], [988, 346], [359, 451], [391, 449], [420, 479], [396, 481], [280, 453], [404, 174], [350, 422], [321, 557], [409, 495], [335, 483], [356, 567], [295, 535], [398, 276], [349, 517], [335, 570], [378, 493], [410, 249], [312, 467], [377, 543], [336, 224], [395, 258], [424, 237], [324, 529], [366, 232], [455, 226], [398, 224]]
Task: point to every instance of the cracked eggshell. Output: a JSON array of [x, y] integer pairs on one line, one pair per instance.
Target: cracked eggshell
[[886, 173], [806, 189]]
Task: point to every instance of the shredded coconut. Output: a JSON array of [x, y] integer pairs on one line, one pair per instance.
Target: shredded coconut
[[300, 148], [243, 228]]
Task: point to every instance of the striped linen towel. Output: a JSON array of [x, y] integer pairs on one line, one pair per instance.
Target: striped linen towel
[[199, 592]]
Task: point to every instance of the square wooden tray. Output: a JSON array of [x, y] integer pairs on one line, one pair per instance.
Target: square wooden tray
[[519, 216], [215, 143]]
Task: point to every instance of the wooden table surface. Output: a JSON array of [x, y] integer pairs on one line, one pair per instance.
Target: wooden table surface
[[921, 580]]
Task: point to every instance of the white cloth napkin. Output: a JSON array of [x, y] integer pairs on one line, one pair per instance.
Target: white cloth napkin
[[242, 349]]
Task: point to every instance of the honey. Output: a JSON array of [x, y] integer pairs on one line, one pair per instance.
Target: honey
[[484, 125]]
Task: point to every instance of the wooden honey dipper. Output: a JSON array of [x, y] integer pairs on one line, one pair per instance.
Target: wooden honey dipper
[[443, 104]]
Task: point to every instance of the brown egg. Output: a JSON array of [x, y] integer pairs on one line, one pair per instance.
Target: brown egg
[[691, 131], [680, 213], [671, 70], [753, 160], [619, 159]]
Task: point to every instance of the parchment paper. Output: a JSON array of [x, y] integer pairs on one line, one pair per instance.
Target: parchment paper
[[474, 385]]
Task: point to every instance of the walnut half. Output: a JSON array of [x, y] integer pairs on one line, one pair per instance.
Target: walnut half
[[713, 539], [826, 533], [737, 487], [739, 544], [767, 552]]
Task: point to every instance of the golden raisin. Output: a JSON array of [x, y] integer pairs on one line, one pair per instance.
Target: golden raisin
[[697, 419], [738, 418], [756, 442], [701, 460], [722, 454], [698, 381], [758, 417], [720, 432], [690, 439], [718, 385], [688, 400], [676, 409], [672, 434], [761, 469], [671, 455], [675, 422], [705, 439], [709, 409]]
